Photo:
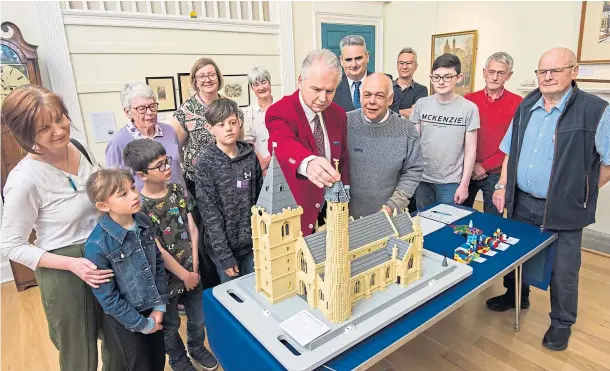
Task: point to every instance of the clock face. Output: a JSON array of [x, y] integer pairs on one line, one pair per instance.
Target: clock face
[[13, 76]]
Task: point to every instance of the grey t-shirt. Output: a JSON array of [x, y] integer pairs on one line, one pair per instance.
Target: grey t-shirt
[[443, 128]]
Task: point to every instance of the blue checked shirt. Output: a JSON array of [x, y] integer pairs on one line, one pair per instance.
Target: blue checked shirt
[[538, 149]]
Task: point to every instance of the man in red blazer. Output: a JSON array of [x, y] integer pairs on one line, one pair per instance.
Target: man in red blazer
[[311, 133]]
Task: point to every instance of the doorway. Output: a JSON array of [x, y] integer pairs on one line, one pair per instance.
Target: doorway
[[332, 33]]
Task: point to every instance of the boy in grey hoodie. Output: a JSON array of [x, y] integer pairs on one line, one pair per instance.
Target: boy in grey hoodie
[[228, 180]]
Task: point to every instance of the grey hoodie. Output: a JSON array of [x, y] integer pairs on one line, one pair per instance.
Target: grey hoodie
[[227, 188]]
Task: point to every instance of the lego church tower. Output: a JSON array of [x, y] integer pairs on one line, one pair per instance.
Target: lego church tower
[[337, 271]]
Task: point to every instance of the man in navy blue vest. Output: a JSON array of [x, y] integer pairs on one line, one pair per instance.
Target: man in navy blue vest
[[557, 157]]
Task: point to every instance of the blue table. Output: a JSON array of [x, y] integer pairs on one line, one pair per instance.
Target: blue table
[[238, 350]]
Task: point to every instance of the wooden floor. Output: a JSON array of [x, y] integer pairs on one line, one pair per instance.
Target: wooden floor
[[470, 339]]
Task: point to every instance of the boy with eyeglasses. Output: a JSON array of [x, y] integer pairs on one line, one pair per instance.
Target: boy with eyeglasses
[[169, 207], [228, 180], [448, 126]]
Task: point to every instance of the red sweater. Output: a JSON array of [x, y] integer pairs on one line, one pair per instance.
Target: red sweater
[[495, 118]]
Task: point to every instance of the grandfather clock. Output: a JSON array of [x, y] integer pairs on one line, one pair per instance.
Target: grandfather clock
[[19, 64]]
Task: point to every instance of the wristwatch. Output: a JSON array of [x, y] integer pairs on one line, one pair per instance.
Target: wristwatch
[[499, 186]]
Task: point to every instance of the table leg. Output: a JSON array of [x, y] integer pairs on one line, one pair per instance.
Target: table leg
[[518, 281]]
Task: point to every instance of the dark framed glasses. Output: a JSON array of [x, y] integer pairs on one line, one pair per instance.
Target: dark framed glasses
[[163, 165], [152, 107]]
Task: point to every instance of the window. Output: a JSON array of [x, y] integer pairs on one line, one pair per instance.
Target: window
[[387, 273], [357, 287], [410, 264], [285, 230], [289, 285], [302, 262], [264, 228], [267, 188], [321, 295], [343, 208], [287, 248], [281, 188], [373, 279]]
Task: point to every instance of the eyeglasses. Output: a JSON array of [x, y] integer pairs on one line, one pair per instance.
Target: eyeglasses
[[201, 78], [232, 124], [163, 165], [446, 78], [260, 83], [493, 73], [554, 71], [405, 64], [152, 107]]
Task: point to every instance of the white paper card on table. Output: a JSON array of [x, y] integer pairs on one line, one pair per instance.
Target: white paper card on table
[[103, 126], [480, 260], [503, 246], [428, 226], [304, 327], [490, 253], [445, 213], [512, 240]]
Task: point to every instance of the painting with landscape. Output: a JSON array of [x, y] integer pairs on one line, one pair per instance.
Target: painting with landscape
[[464, 46]]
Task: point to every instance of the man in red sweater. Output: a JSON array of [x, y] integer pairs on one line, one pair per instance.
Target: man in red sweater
[[497, 107]]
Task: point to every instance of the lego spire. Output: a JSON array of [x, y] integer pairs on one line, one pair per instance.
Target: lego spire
[[275, 194]]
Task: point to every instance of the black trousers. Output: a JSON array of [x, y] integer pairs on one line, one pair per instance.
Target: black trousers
[[138, 351], [566, 266], [207, 269]]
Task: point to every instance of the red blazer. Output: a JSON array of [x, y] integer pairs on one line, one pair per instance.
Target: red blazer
[[289, 128]]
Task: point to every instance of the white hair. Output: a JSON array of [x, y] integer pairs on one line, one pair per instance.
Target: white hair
[[134, 90], [321, 55], [350, 40], [408, 50], [258, 74], [501, 57]]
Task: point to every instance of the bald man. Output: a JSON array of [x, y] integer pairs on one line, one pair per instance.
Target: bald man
[[557, 157], [386, 164]]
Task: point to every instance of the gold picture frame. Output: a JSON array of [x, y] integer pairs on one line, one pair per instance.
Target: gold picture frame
[[594, 34], [464, 44], [165, 91]]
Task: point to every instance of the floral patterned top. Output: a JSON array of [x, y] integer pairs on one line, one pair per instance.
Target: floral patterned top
[[190, 115]]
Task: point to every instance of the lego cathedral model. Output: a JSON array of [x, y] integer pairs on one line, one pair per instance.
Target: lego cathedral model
[[332, 268]]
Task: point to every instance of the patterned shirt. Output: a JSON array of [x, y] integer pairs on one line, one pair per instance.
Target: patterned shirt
[[191, 117], [169, 215]]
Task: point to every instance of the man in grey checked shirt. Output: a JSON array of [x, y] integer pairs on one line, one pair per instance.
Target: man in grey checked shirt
[[557, 157]]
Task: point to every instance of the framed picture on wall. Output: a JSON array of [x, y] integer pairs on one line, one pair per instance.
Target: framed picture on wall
[[464, 45], [164, 89], [236, 88], [594, 35], [185, 89]]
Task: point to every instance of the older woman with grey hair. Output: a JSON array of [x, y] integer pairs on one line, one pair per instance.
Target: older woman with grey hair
[[255, 131], [140, 106]]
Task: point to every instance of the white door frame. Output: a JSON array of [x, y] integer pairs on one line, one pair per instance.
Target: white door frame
[[320, 17]]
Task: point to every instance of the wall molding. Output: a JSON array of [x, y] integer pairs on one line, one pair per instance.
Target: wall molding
[[320, 17], [59, 64], [602, 92], [155, 21], [6, 274], [283, 12]]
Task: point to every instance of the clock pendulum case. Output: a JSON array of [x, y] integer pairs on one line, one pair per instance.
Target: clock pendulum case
[[19, 65]]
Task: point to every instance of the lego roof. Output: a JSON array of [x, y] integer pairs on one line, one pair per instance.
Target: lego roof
[[403, 224], [337, 193], [403, 247], [275, 194], [372, 260], [362, 231]]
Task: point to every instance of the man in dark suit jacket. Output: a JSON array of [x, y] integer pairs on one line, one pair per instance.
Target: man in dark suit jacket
[[355, 61], [310, 132]]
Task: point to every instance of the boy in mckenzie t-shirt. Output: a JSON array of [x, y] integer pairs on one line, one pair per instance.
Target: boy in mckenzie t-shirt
[[448, 125], [169, 207]]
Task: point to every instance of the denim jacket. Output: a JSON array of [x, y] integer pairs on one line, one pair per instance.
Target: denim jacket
[[139, 281]]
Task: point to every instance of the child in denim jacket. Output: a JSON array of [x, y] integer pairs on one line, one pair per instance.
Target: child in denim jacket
[[169, 206], [134, 300]]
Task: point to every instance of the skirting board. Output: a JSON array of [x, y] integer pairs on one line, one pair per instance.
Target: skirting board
[[6, 274], [596, 241]]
